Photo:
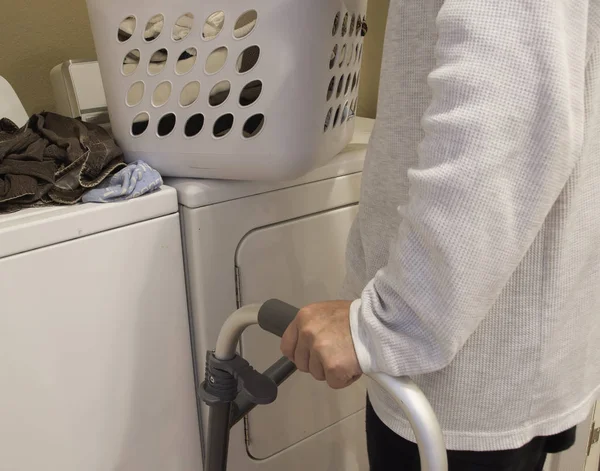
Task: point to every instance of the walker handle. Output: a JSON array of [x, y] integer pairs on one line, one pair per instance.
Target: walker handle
[[275, 316]]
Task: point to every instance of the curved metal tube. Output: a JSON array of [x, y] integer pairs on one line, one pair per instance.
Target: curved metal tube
[[232, 330], [404, 391], [423, 421]]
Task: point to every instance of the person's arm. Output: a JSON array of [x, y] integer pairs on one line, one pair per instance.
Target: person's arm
[[502, 136]]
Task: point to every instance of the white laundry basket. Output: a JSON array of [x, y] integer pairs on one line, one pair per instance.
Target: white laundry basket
[[233, 89]]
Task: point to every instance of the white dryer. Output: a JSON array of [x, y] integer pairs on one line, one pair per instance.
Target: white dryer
[[246, 242], [95, 352]]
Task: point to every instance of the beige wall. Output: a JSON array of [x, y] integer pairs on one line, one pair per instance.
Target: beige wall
[[371, 66], [36, 35]]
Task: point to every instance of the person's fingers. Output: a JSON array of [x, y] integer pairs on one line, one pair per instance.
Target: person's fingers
[[306, 334], [334, 382], [337, 375], [289, 341], [350, 382], [302, 355], [315, 367]]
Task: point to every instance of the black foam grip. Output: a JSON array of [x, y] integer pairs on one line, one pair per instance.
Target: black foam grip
[[275, 316]]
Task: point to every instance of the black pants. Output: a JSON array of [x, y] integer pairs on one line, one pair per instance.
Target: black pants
[[389, 452]]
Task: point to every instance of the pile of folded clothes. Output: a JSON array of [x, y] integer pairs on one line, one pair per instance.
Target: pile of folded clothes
[[54, 159]]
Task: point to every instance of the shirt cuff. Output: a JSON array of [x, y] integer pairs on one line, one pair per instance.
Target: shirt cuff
[[361, 343]]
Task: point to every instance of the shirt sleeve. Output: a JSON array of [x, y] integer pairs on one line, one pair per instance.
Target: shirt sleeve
[[502, 135]]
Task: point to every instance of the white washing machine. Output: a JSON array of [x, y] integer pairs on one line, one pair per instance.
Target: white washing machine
[[95, 352], [246, 242]]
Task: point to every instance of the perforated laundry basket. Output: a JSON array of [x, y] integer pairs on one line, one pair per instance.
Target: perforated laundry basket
[[234, 89]]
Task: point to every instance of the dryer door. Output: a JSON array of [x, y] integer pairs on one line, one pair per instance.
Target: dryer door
[[301, 261]]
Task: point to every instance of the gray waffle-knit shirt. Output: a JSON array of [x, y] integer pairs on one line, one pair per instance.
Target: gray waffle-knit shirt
[[477, 245]]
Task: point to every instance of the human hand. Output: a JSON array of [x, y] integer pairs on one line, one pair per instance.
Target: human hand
[[319, 342]]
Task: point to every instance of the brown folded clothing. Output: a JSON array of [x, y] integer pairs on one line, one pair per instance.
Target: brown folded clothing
[[53, 159]]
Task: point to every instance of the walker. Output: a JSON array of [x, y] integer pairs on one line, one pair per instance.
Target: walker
[[232, 388]]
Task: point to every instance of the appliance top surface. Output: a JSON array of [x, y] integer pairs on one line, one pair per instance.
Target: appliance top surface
[[34, 228], [196, 193]]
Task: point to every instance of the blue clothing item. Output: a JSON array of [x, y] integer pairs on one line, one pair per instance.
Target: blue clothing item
[[134, 180]]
